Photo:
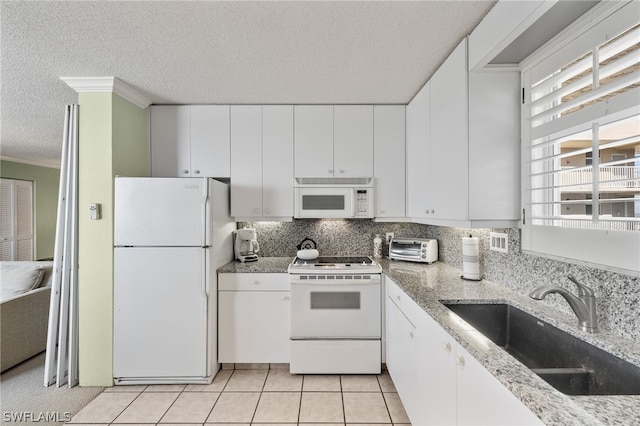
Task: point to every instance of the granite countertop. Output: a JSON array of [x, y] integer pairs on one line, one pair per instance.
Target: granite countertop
[[272, 265], [428, 285]]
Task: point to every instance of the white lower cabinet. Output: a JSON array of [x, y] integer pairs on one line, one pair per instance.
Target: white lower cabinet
[[401, 354], [438, 381], [253, 318]]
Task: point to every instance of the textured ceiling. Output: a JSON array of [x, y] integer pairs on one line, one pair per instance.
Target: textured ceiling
[[222, 52]]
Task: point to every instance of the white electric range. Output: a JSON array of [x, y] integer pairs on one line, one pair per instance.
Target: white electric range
[[335, 316]]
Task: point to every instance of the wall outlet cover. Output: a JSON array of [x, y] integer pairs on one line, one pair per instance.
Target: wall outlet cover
[[498, 242]]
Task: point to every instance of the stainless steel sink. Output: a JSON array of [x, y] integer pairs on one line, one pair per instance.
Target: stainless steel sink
[[567, 363]]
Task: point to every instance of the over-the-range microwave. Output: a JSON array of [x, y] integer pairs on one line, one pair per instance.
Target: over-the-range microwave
[[333, 198]]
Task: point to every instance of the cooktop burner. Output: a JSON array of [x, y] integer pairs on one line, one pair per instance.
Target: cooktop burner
[[332, 265], [335, 261]]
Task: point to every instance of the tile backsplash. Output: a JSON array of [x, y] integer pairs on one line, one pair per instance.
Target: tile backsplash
[[618, 294]]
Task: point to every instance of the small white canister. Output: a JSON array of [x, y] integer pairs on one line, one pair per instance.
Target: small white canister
[[377, 247]]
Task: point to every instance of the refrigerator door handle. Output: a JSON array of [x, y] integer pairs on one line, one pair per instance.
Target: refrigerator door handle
[[205, 272], [206, 214]]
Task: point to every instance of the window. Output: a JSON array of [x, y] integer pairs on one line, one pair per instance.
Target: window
[[581, 136], [16, 219]]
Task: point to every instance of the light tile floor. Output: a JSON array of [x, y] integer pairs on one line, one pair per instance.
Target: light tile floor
[[252, 397]]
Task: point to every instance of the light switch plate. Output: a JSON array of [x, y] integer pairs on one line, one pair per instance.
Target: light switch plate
[[94, 211]]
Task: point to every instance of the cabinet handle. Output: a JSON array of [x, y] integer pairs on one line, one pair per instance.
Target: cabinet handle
[[341, 171], [285, 298], [267, 210], [255, 282], [446, 346], [398, 298], [460, 361], [330, 171], [411, 335], [185, 171], [197, 172]]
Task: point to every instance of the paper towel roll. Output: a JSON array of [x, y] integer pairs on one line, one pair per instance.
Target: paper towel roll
[[470, 258]]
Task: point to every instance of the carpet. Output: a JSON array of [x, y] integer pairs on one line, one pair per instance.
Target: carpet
[[25, 401]]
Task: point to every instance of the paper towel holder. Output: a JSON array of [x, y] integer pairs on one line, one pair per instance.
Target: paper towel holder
[[470, 279], [472, 257]]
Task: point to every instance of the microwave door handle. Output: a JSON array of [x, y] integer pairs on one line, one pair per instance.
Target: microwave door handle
[[353, 203]]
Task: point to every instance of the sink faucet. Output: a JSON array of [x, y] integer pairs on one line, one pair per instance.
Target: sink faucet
[[584, 305]]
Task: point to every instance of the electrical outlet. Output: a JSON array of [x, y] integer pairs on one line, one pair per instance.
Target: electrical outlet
[[389, 235], [498, 242]]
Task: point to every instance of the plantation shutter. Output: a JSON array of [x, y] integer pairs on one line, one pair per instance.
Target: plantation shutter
[[584, 135]]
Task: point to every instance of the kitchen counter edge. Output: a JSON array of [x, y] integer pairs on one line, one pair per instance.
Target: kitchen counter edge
[[428, 285], [271, 265]]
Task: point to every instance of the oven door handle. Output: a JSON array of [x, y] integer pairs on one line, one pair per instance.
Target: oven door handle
[[334, 284]]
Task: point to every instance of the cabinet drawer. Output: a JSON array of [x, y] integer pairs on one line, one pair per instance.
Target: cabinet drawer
[[407, 306], [253, 282]]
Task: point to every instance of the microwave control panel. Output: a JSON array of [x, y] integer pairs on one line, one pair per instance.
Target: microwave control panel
[[363, 203]]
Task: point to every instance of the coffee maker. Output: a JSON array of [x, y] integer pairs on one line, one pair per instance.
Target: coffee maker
[[246, 245]]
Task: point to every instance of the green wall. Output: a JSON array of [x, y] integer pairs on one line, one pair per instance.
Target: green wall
[[113, 141], [45, 184]]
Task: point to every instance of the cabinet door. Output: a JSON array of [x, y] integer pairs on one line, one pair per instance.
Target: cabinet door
[[253, 326], [435, 374], [353, 140], [418, 156], [389, 160], [483, 400], [494, 145], [170, 141], [401, 356], [246, 161], [210, 142], [449, 137], [277, 161], [313, 140]]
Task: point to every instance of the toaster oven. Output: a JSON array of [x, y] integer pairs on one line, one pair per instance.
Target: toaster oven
[[414, 249]]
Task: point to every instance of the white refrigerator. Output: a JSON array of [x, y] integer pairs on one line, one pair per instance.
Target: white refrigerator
[[170, 236]]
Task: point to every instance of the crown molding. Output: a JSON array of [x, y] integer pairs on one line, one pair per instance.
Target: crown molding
[[49, 165], [107, 84]]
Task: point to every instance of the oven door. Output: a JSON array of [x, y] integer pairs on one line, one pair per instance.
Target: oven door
[[324, 202], [336, 306]]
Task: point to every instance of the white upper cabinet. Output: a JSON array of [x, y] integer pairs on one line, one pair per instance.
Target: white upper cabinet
[[465, 170], [246, 160], [449, 138], [277, 161], [389, 160], [262, 161], [313, 140], [333, 141], [418, 140], [210, 147], [190, 141], [353, 140], [170, 141], [494, 146]]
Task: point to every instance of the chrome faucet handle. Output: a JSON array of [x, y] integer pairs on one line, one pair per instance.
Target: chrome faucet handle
[[583, 290]]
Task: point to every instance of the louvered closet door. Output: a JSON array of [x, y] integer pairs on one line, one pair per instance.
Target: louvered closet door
[[6, 219], [17, 219]]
